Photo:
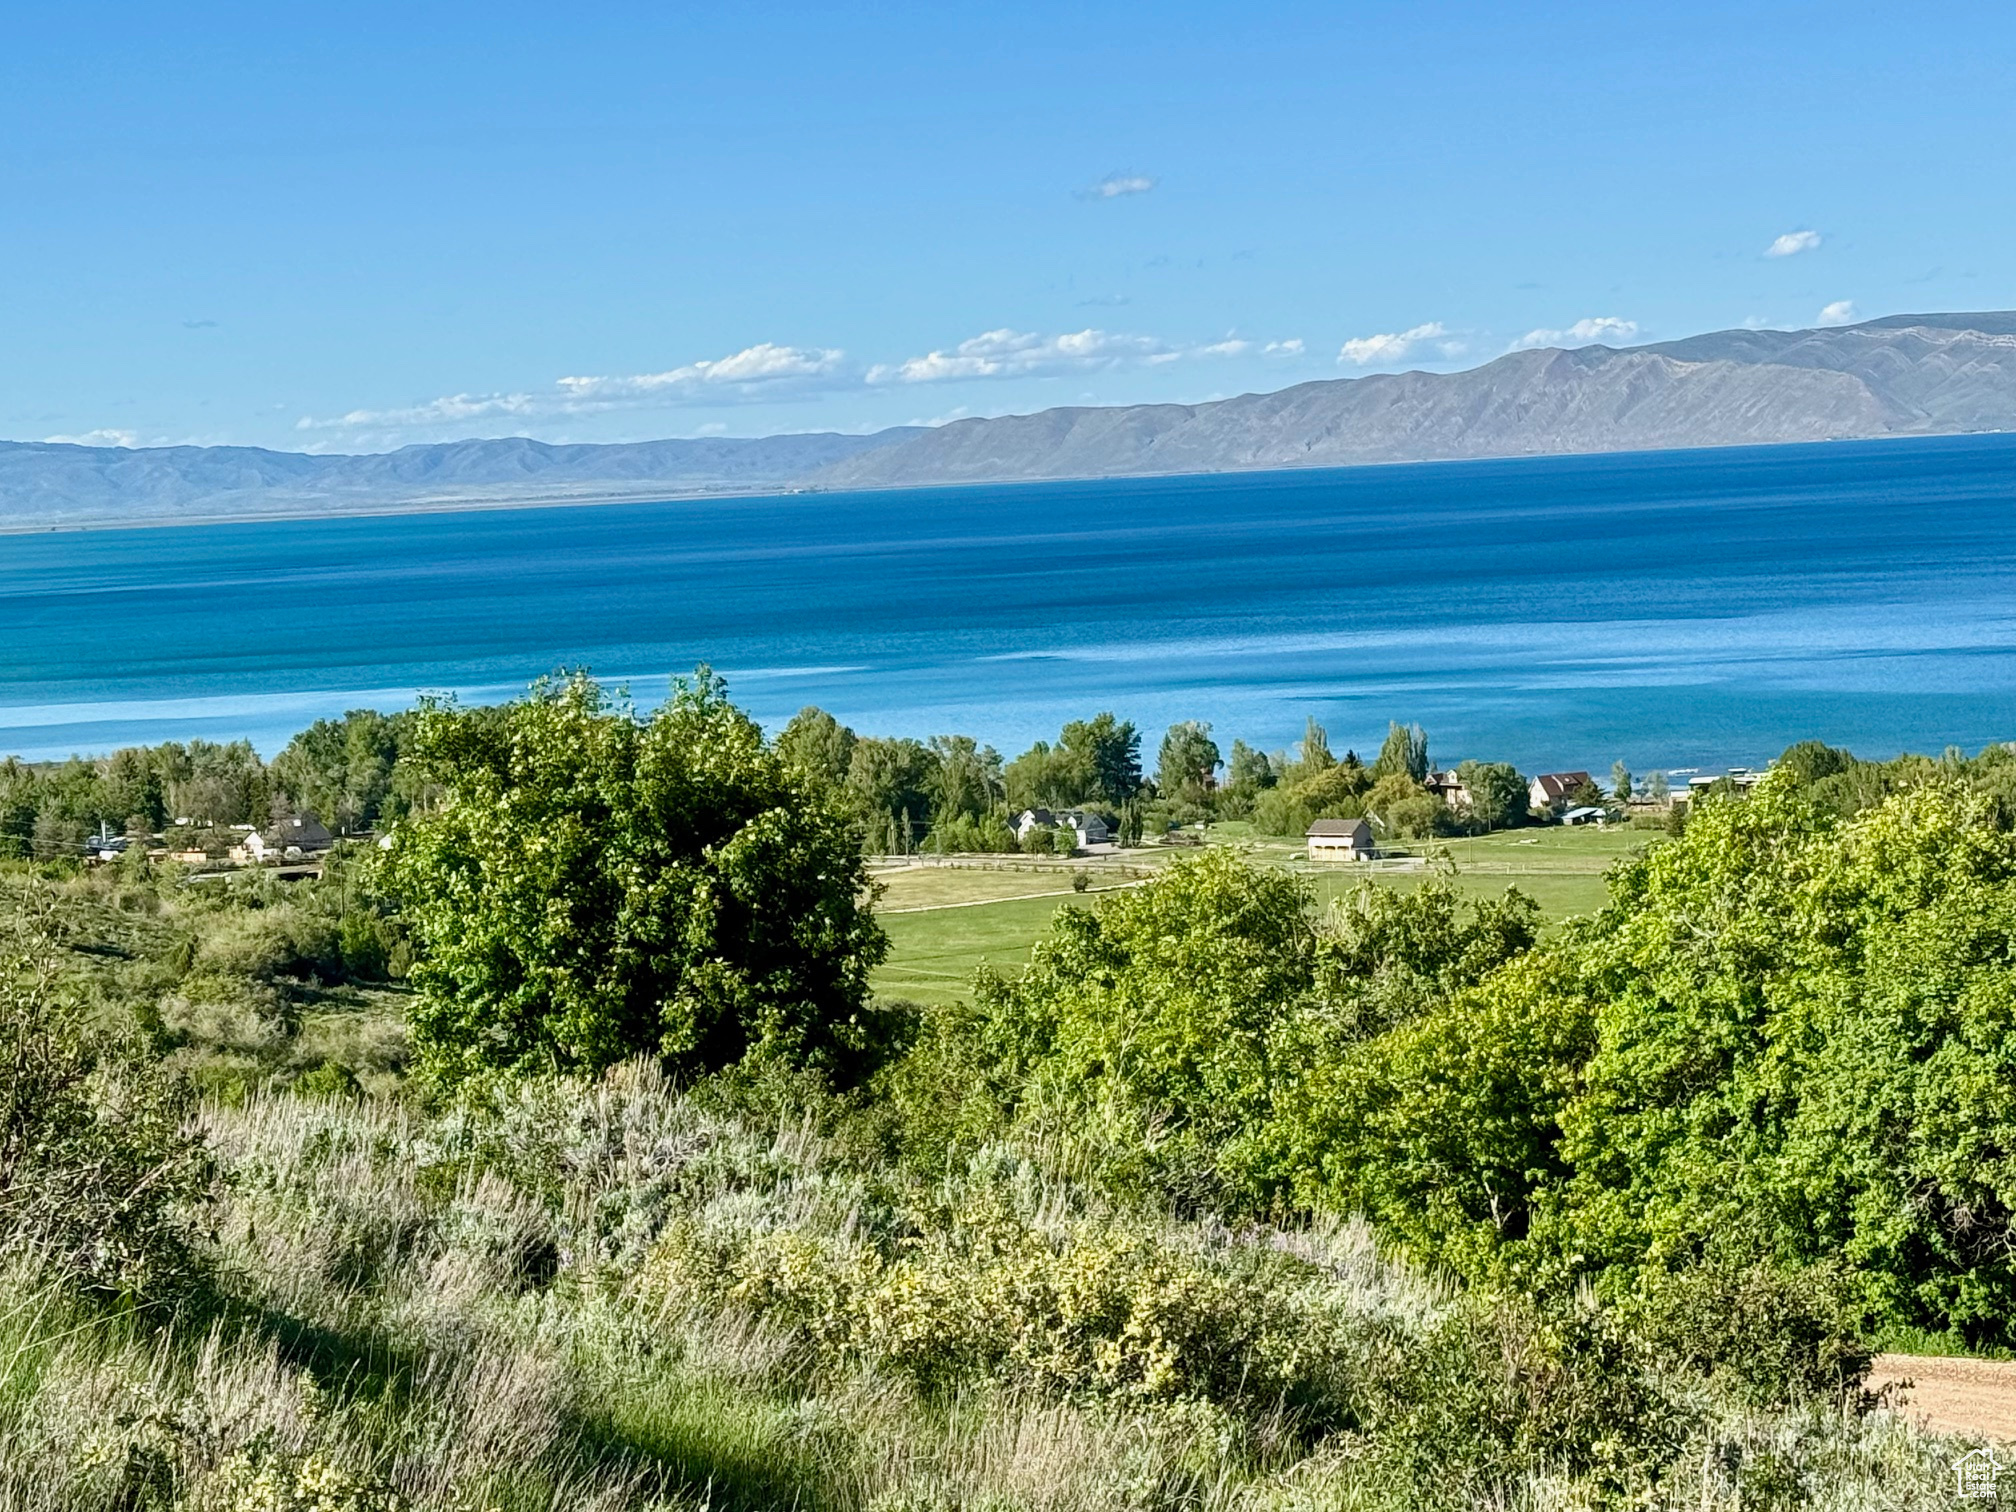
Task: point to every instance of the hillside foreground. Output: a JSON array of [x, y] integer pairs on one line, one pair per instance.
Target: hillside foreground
[[456, 1179]]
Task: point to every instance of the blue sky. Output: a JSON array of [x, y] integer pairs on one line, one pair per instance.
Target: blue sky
[[356, 227]]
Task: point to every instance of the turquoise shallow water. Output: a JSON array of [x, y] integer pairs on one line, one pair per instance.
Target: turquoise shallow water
[[1675, 609]]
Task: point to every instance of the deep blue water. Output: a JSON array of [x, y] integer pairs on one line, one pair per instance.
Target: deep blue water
[[1671, 609]]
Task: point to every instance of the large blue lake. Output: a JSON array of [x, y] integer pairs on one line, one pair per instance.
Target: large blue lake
[[1671, 609]]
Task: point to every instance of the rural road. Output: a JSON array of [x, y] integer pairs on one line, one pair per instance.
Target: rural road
[[1976, 1397]]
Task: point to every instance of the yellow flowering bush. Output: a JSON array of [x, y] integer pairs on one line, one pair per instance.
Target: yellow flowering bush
[[258, 1481], [1084, 1308]]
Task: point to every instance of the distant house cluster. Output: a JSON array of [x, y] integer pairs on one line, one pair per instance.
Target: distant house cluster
[[292, 837]]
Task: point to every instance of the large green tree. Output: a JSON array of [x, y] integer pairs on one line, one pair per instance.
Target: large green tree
[[891, 781], [1188, 1015], [346, 769], [594, 885], [1499, 796], [1404, 754], [1188, 762], [1095, 761], [816, 742]]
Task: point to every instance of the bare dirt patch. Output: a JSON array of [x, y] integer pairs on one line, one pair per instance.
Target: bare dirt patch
[[1976, 1397]]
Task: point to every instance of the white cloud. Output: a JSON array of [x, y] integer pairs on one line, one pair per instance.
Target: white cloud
[[764, 363], [125, 438], [1014, 354], [1588, 330], [1792, 243], [757, 372], [1390, 346], [772, 371], [1008, 353], [1841, 312], [1118, 185]]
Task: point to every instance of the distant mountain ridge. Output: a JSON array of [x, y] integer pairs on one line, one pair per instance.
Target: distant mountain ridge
[[1904, 375], [1900, 375], [54, 483]]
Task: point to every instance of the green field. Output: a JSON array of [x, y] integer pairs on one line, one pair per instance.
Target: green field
[[944, 922]]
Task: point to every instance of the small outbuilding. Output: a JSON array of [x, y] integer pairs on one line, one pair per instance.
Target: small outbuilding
[[1339, 840]]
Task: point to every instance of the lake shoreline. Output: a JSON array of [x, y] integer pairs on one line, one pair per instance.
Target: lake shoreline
[[602, 499]]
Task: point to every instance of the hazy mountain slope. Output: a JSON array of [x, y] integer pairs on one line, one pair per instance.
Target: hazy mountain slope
[[55, 484], [1906, 375], [1901, 375]]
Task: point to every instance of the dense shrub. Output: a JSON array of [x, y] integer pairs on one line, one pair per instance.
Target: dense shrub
[[97, 1176], [1183, 1017], [594, 886], [1786, 1030]]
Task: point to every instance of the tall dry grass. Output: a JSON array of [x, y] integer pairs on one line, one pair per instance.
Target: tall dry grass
[[572, 1297]]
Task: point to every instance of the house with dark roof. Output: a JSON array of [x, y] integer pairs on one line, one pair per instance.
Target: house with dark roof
[[289, 838], [1339, 840], [1089, 828], [1548, 789], [1449, 788]]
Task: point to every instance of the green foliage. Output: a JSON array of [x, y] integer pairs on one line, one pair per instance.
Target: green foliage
[[964, 833], [817, 743], [1760, 1334], [1405, 809], [965, 781], [1404, 754], [1787, 1041], [990, 1292], [1095, 761], [1198, 1016], [97, 1176], [890, 782], [347, 770], [1620, 782], [1319, 788], [1188, 763], [594, 886], [1498, 794]]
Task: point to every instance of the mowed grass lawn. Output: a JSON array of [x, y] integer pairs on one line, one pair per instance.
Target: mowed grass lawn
[[944, 922]]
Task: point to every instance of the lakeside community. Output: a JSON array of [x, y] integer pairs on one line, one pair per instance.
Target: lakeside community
[[969, 855]]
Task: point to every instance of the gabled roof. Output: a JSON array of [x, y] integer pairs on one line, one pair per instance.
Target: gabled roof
[[302, 829], [1337, 827], [1560, 784]]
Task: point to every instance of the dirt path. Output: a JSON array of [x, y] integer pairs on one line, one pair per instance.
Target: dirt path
[[1975, 1397]]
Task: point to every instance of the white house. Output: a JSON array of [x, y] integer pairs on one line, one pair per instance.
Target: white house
[[1032, 819], [1089, 829], [1339, 840], [287, 839], [1549, 788]]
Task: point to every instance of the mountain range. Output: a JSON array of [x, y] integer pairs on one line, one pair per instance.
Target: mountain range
[[1904, 375]]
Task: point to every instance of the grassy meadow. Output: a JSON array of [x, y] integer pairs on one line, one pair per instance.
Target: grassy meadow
[[944, 922]]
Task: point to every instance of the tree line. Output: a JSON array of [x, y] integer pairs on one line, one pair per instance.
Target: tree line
[[950, 793]]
